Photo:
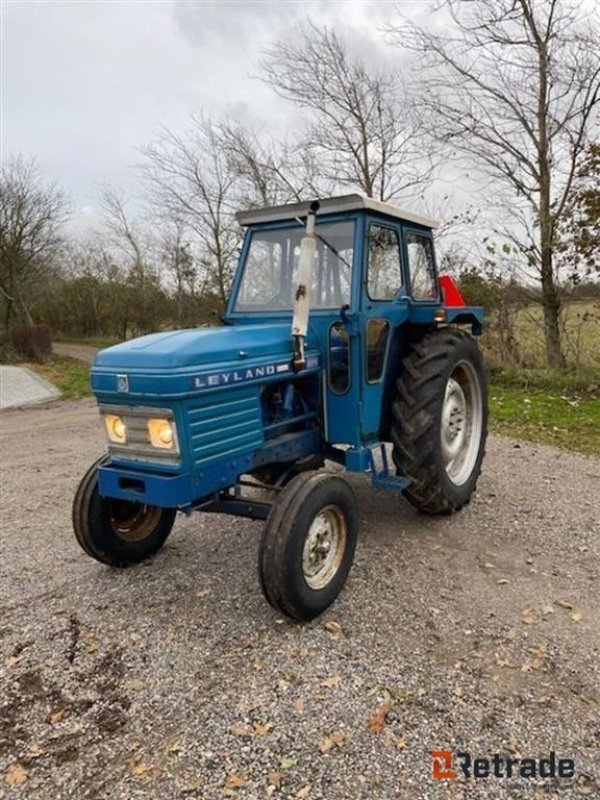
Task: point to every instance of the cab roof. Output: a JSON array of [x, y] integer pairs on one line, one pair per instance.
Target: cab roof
[[332, 205]]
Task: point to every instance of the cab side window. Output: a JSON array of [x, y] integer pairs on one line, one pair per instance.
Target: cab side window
[[384, 271], [421, 267]]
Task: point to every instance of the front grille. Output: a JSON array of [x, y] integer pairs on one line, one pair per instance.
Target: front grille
[[224, 425]]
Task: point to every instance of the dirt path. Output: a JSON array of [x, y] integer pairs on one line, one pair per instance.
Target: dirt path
[[175, 679], [83, 352]]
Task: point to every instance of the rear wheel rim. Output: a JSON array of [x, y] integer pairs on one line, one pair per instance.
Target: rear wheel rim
[[133, 522], [324, 547], [462, 423]]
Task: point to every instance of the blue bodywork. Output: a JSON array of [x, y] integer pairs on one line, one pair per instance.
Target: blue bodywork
[[221, 386]]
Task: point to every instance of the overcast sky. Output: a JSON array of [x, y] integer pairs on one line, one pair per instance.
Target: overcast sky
[[87, 83]]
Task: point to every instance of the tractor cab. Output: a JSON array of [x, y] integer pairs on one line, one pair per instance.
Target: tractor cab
[[373, 289]]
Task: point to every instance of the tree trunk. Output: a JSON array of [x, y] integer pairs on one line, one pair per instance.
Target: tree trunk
[[551, 305], [550, 298]]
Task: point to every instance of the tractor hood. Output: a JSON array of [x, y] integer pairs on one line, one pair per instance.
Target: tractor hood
[[199, 347], [197, 360]]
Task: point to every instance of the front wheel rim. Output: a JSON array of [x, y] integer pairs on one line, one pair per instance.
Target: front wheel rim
[[133, 522], [461, 423], [324, 547]]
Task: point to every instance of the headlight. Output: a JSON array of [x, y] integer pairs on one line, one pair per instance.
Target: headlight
[[162, 433], [141, 433], [116, 430]]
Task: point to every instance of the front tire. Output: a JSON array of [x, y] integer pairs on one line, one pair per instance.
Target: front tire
[[117, 532], [439, 423], [308, 545]]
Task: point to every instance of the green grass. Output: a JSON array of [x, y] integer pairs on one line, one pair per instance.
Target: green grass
[[561, 409], [70, 375]]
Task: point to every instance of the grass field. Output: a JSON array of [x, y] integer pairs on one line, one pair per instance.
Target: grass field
[[580, 329], [70, 375], [548, 408]]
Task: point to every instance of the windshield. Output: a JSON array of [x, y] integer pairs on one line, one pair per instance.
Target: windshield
[[271, 268]]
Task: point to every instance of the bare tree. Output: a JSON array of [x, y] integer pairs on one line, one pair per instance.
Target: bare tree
[[178, 260], [363, 132], [579, 228], [192, 179], [31, 215], [512, 84], [146, 298], [265, 172]]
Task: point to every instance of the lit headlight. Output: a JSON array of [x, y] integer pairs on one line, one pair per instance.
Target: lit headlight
[[162, 433], [141, 433], [116, 430]]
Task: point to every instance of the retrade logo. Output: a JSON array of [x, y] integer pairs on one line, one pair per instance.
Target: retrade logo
[[442, 765], [447, 766]]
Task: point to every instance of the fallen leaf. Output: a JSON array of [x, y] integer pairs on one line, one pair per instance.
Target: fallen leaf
[[287, 762], [576, 616], [299, 704], [141, 769], [304, 792], [57, 716], [504, 662], [378, 719], [91, 647], [547, 609], [262, 728], [565, 604], [257, 664], [400, 743], [274, 779], [502, 581], [135, 685], [239, 729], [174, 747], [15, 775], [10, 661], [457, 691], [336, 739], [34, 751], [203, 593], [332, 682], [332, 626], [235, 781], [488, 565]]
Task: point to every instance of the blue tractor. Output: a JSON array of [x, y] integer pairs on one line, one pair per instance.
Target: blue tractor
[[339, 339]]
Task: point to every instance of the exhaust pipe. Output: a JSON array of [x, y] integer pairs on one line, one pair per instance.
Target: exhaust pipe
[[302, 290]]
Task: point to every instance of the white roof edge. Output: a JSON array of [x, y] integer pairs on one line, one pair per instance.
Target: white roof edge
[[332, 205]]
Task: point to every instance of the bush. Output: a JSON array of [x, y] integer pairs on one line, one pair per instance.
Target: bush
[[31, 341]]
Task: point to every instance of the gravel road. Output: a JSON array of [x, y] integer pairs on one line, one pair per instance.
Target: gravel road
[[82, 352], [175, 679]]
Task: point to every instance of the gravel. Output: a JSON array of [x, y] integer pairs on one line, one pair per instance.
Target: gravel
[[175, 679]]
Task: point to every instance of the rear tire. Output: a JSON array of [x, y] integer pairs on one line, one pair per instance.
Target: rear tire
[[117, 532], [439, 420], [308, 545]]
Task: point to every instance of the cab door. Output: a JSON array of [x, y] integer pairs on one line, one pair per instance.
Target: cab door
[[384, 306]]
